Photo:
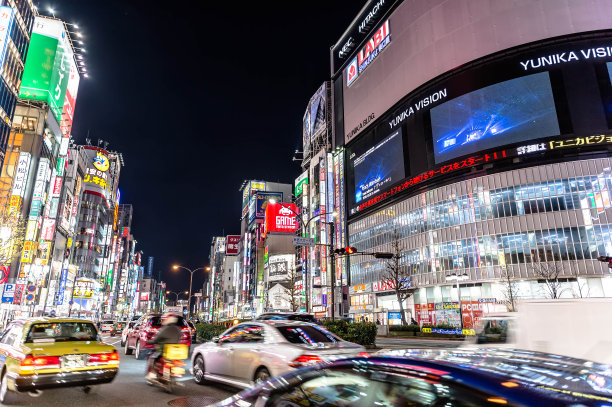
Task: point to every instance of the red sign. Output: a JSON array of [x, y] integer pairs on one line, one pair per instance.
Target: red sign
[[471, 312], [425, 313], [231, 244], [19, 290], [57, 186], [4, 274], [388, 285], [281, 218], [373, 43]]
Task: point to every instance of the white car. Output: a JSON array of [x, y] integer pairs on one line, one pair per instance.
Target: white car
[[254, 351], [106, 325]]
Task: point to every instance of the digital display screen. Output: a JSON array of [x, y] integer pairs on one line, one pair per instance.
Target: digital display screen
[[504, 113], [379, 167]]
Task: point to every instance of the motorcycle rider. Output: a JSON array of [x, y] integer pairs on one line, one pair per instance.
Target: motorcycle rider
[[170, 333]]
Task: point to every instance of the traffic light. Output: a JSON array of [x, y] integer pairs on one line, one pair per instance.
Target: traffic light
[[345, 250], [606, 259]]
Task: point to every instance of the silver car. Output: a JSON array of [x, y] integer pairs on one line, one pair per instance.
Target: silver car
[[254, 351]]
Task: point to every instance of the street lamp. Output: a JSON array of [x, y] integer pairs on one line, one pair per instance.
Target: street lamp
[[457, 278], [175, 293], [330, 246], [205, 269]]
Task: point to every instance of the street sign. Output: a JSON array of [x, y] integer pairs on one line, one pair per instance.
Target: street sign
[[303, 241], [9, 293]]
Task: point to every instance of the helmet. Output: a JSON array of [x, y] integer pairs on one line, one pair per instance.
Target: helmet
[[170, 319]]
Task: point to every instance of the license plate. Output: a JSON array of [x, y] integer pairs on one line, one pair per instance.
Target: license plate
[[178, 371], [73, 361]]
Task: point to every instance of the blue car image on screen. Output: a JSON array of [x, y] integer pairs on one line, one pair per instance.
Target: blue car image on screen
[[508, 112], [380, 166]]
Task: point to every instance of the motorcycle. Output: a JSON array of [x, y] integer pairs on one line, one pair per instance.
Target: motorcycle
[[170, 366]]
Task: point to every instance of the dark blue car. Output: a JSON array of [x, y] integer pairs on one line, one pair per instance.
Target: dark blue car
[[438, 378]]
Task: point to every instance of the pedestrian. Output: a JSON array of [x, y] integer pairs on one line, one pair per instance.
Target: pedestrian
[[378, 321], [366, 319], [413, 322]]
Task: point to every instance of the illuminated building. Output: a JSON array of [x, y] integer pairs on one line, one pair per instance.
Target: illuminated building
[[481, 138]]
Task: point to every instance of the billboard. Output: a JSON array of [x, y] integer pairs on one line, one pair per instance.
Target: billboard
[[504, 113], [232, 245], [520, 106], [97, 177], [418, 51], [279, 267], [259, 201], [83, 289], [48, 64], [72, 89], [281, 218], [300, 182], [21, 174], [314, 121]]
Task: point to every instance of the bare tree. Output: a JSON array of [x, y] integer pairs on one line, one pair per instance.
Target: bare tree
[[548, 273], [511, 290], [582, 289], [293, 294], [399, 275]]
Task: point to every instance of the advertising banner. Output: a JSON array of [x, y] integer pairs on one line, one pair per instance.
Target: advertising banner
[[232, 245], [70, 100], [281, 218], [4, 274], [45, 251], [259, 201], [471, 312], [62, 287], [279, 267], [83, 289], [29, 250], [19, 291], [21, 174], [48, 229], [300, 182], [47, 69]]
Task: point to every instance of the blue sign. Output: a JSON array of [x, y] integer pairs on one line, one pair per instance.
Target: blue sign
[[259, 201], [62, 287], [9, 293], [150, 266], [395, 315]]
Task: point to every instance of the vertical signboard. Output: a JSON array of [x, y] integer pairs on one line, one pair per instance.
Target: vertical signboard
[[150, 262], [21, 174], [9, 293], [47, 69], [232, 245], [7, 15]]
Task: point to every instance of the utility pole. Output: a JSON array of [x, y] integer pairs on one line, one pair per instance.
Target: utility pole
[[332, 268]]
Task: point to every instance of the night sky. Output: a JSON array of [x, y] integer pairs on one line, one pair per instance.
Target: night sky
[[198, 96]]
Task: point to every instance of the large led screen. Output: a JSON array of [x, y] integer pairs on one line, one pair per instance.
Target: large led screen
[[379, 167], [508, 112]]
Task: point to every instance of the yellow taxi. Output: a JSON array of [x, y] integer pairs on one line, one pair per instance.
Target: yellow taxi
[[46, 353]]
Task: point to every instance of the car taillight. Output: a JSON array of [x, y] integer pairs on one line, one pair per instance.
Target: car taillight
[[109, 358], [305, 360], [30, 363], [363, 354]]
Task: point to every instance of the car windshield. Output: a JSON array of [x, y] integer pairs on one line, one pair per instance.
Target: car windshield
[[306, 334], [62, 331], [107, 322]]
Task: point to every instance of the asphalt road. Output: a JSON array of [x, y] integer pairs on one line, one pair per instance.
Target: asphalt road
[[128, 389], [401, 343]]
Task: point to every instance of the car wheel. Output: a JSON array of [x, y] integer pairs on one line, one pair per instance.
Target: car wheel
[[4, 390], [126, 349], [138, 352], [122, 343], [261, 375], [198, 370]]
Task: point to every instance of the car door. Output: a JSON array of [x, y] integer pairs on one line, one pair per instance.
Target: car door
[[217, 358], [246, 354]]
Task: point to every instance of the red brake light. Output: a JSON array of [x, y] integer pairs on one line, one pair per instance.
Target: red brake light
[[40, 361], [104, 357], [305, 360], [363, 354]]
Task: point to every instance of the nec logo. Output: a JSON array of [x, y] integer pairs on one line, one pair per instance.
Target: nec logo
[[285, 212]]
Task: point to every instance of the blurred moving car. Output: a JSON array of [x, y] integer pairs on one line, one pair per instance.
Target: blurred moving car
[[118, 327], [291, 316], [193, 331], [46, 353], [145, 329], [127, 329], [106, 325], [543, 325], [438, 378], [254, 351]]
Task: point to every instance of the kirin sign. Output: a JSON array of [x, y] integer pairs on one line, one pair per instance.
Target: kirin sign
[[281, 218]]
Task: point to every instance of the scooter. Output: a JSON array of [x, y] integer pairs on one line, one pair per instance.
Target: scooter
[[169, 367]]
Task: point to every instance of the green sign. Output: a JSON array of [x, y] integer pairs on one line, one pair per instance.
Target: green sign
[[47, 67], [300, 182]]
